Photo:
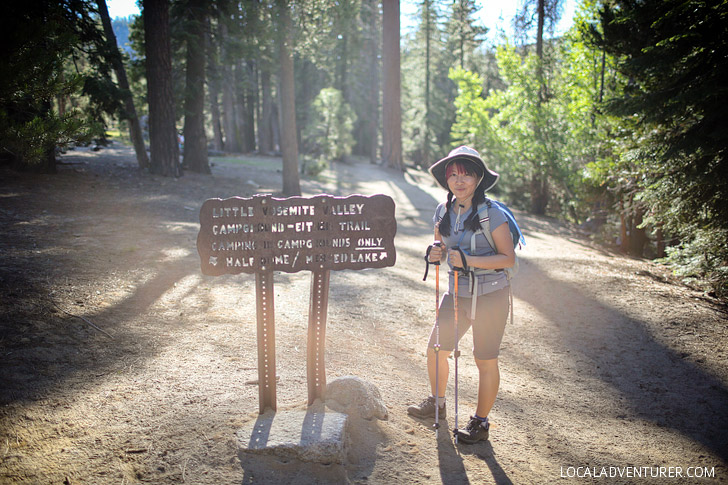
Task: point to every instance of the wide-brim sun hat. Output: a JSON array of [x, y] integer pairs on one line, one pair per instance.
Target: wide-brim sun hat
[[439, 168]]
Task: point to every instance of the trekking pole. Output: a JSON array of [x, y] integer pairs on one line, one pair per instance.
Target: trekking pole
[[456, 351], [437, 337]]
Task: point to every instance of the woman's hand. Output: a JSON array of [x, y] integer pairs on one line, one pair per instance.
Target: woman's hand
[[456, 259], [436, 252]]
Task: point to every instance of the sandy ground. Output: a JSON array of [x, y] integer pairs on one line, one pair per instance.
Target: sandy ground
[[611, 367]]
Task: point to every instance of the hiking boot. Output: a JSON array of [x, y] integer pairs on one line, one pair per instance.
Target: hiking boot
[[426, 409], [474, 431]]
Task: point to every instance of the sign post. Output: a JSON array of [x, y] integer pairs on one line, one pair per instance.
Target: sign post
[[263, 234]]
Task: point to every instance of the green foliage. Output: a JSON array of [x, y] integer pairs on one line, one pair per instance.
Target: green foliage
[[52, 52], [447, 36], [673, 53], [522, 138], [329, 133], [463, 35], [700, 260]]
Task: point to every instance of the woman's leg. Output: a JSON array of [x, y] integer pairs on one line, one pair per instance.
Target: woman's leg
[[488, 332], [442, 369], [487, 385]]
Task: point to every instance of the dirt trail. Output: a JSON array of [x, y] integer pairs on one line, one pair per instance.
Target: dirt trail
[[609, 362]]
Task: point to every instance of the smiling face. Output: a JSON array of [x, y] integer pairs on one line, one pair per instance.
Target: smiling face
[[461, 180]]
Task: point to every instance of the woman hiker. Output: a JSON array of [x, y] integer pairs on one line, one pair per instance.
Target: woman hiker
[[465, 176]]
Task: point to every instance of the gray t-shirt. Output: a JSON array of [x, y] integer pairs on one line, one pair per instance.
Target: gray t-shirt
[[462, 237]]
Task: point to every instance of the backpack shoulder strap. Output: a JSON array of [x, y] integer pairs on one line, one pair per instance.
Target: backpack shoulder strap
[[441, 209], [484, 219]]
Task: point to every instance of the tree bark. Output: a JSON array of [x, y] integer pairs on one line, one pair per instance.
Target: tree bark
[[195, 146], [229, 123], [540, 182], [289, 139], [539, 193], [391, 107], [162, 131], [135, 129], [639, 239], [539, 50], [213, 84], [426, 139], [217, 142], [247, 102], [372, 44], [265, 123]]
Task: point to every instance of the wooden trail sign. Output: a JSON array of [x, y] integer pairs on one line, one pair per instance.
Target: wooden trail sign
[[263, 234]]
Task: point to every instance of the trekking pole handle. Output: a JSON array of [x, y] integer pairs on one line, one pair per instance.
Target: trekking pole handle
[[436, 244], [427, 258], [463, 260]]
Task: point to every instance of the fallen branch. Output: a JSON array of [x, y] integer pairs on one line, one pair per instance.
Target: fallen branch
[[84, 319]]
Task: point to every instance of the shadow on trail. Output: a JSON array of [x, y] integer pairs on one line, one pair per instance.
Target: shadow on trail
[[45, 349], [352, 179], [452, 468], [485, 452], [663, 389], [57, 286]]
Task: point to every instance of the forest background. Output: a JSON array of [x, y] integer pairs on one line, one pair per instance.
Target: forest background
[[616, 125]]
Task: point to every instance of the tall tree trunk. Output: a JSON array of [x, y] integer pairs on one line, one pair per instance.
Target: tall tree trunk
[[428, 33], [214, 88], [391, 107], [229, 123], [247, 101], [289, 140], [540, 181], [195, 148], [213, 84], [162, 132], [660, 241], [639, 234], [539, 192], [539, 50], [265, 123], [461, 33], [135, 129], [239, 100], [372, 46]]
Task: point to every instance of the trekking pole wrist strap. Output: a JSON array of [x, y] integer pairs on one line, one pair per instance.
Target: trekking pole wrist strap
[[427, 260], [464, 260]]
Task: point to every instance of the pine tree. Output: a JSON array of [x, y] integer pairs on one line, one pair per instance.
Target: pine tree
[[37, 41], [674, 54], [164, 149], [391, 89], [289, 137], [195, 139]]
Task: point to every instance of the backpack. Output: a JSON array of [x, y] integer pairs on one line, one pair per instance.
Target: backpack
[[516, 235]]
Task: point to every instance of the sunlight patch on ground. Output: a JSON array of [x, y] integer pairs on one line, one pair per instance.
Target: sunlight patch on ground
[[172, 254], [182, 289]]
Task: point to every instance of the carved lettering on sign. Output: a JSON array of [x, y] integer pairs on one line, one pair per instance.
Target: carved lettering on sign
[[263, 233]]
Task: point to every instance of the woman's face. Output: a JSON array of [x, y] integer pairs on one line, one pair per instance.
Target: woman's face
[[461, 182]]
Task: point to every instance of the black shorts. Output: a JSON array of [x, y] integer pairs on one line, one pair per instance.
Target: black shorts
[[490, 323]]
